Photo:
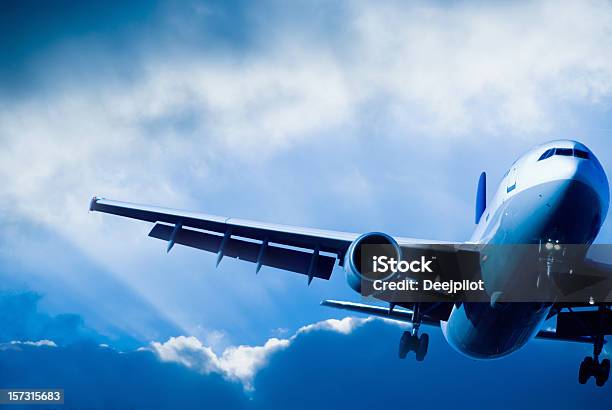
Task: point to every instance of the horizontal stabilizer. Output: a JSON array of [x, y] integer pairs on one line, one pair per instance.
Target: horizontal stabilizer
[[553, 335], [273, 256], [584, 323], [401, 315]]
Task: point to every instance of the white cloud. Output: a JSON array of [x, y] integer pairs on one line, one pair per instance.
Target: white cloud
[[242, 362], [15, 344], [39, 343], [501, 67], [344, 326], [236, 363]]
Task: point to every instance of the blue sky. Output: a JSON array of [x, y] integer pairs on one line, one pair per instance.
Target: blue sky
[[347, 115]]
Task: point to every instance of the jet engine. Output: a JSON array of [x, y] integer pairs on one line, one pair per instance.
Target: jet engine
[[355, 266]]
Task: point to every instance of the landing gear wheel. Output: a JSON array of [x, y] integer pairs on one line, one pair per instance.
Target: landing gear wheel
[[585, 371], [605, 364], [602, 372], [410, 340], [421, 349], [413, 343], [592, 367], [405, 344]]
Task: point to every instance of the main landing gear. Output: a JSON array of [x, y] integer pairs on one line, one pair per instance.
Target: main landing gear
[[410, 340], [591, 366]]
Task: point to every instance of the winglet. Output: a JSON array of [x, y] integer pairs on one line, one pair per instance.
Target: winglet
[[92, 203]]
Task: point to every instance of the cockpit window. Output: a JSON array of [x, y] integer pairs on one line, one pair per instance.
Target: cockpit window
[[564, 151], [568, 152], [546, 154], [581, 154]]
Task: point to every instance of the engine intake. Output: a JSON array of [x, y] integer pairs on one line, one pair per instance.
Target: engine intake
[[380, 244]]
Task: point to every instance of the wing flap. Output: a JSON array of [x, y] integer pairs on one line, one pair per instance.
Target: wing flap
[[273, 256]]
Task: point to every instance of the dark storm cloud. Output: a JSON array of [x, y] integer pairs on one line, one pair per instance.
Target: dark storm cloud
[[20, 320], [321, 369], [95, 377], [28, 29], [77, 39]]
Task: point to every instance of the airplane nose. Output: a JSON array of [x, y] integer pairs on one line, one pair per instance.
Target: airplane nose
[[572, 168], [580, 202], [591, 173]]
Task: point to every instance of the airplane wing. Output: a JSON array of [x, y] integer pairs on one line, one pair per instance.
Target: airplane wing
[[308, 251]]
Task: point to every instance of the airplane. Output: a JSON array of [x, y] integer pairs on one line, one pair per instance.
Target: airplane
[[555, 193]]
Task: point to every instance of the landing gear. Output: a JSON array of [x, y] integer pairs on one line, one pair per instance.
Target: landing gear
[[413, 343], [591, 366], [410, 340], [600, 371]]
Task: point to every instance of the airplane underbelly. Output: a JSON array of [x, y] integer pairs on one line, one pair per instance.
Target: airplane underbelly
[[480, 331], [567, 211]]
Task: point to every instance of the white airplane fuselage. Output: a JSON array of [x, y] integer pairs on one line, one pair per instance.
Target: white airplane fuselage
[[562, 198]]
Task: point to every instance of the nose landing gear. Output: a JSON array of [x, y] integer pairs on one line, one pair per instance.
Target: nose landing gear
[[410, 340]]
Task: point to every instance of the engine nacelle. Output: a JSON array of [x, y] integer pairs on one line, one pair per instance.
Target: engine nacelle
[[353, 258]]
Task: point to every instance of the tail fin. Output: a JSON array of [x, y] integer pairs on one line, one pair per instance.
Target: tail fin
[[481, 197]]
